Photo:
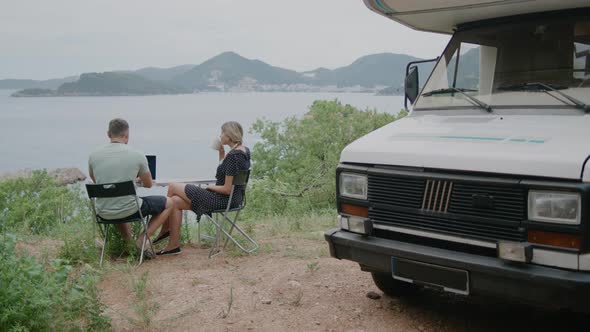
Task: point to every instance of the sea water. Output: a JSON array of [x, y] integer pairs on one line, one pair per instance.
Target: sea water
[[57, 132]]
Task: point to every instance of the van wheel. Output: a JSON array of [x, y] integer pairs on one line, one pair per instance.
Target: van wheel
[[392, 287]]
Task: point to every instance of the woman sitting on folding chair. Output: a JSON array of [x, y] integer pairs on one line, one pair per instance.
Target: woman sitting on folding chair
[[213, 197]]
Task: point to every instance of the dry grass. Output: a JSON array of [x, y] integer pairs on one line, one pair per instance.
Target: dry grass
[[143, 306]]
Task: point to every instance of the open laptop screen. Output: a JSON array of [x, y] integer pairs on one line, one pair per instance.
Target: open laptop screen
[[151, 159]]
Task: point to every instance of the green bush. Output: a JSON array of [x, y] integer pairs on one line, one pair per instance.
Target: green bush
[[37, 204], [37, 297], [79, 245], [295, 161], [117, 246], [53, 296]]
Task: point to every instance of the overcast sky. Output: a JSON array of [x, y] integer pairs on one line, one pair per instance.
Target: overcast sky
[[57, 38]]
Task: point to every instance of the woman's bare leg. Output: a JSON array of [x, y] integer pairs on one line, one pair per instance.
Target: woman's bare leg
[[157, 221], [177, 189], [174, 189], [165, 228], [175, 221]]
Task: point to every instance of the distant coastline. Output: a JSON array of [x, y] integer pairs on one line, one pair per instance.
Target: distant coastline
[[34, 92], [31, 93], [62, 176], [381, 74]]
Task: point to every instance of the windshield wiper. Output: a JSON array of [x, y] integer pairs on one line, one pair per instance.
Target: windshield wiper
[[530, 87], [473, 100], [543, 87], [446, 90]]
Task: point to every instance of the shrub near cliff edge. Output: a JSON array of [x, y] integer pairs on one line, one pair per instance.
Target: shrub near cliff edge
[[46, 297], [37, 204], [295, 161]]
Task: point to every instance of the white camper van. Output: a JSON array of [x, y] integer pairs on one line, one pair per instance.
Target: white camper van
[[484, 188]]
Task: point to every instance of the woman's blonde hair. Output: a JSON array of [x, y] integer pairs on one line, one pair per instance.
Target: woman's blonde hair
[[233, 130]]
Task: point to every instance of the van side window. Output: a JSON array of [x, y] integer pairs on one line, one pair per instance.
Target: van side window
[[463, 71], [468, 67], [582, 53]]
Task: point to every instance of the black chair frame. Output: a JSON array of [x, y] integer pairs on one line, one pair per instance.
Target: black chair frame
[[111, 190], [240, 182]]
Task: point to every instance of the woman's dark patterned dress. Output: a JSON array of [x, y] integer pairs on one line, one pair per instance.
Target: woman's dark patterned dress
[[204, 201]]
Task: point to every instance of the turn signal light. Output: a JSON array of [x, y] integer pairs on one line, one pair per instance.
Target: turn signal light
[[355, 210], [555, 239]]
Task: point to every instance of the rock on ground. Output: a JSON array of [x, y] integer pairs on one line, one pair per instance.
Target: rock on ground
[[373, 296], [63, 176]]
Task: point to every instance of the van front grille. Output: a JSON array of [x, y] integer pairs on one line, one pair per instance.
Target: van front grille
[[437, 194], [481, 210]]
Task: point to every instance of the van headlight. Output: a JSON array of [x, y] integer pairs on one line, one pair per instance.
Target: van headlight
[[353, 185], [562, 208]]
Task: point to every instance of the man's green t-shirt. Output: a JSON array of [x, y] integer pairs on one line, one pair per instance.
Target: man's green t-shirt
[[116, 162]]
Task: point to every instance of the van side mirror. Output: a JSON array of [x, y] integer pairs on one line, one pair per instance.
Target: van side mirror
[[411, 84]]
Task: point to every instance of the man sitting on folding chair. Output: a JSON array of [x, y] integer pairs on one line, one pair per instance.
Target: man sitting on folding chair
[[117, 162]]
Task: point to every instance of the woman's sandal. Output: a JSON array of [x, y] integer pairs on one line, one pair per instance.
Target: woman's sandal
[[174, 251], [159, 239]]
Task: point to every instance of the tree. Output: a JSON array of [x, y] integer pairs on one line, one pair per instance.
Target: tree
[[295, 161]]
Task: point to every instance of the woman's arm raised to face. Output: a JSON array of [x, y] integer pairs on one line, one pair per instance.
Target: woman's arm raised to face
[[221, 153]]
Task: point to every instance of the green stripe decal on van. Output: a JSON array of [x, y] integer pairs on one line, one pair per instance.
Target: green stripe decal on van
[[473, 138], [477, 138]]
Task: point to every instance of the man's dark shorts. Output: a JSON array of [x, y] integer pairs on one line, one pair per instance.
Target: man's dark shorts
[[153, 205]]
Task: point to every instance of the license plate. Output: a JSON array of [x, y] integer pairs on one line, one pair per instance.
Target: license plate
[[430, 275]]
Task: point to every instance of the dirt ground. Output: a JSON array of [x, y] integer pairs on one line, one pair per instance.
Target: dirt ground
[[292, 284]]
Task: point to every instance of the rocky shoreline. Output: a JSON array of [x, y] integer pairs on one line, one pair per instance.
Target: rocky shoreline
[[63, 176]]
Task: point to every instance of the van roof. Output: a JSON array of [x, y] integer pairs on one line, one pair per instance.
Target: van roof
[[445, 15]]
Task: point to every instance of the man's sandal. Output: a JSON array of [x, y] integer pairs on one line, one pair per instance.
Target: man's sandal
[[162, 237], [174, 251]]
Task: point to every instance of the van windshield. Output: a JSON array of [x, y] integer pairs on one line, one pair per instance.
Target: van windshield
[[519, 64]]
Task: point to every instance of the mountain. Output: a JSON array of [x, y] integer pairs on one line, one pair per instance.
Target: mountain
[[30, 84], [231, 69], [385, 69], [162, 74], [397, 89], [115, 84]]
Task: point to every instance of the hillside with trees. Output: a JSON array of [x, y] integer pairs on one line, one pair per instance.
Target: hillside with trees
[[113, 84], [106, 84], [383, 73], [231, 69]]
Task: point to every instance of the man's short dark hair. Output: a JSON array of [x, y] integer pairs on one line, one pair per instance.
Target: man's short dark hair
[[117, 127]]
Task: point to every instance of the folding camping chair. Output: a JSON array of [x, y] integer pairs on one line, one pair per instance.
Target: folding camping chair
[[223, 215], [110, 190]]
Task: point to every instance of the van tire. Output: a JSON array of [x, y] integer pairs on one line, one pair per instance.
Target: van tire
[[392, 287]]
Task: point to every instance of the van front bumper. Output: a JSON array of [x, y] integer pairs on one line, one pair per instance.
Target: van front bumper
[[545, 286]]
